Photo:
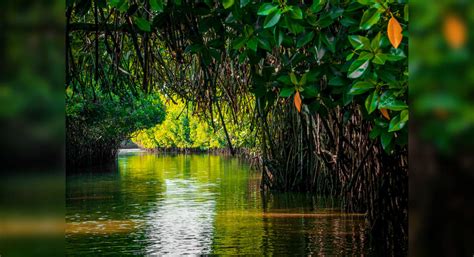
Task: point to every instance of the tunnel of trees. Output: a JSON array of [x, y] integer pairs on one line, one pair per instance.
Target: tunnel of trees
[[317, 90]]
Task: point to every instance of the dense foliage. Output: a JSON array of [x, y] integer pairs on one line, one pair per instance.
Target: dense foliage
[[332, 52], [97, 125], [328, 54], [323, 85], [181, 129]]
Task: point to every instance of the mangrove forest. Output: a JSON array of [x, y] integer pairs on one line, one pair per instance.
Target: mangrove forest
[[237, 127]]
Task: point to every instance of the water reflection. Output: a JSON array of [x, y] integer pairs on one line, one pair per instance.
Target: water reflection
[[183, 222], [200, 204]]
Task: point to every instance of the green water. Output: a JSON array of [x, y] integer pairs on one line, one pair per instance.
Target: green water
[[199, 204]]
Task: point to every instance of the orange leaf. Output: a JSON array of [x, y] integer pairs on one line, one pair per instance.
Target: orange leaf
[[297, 101], [385, 113], [454, 31], [394, 32]]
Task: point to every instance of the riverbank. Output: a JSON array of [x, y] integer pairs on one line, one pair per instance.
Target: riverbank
[[252, 156]]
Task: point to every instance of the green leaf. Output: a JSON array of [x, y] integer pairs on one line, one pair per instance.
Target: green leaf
[[370, 17], [239, 43], [398, 122], [376, 42], [381, 122], [143, 24], [380, 58], [349, 56], [365, 56], [272, 19], [281, 36], [388, 101], [303, 80], [287, 91], [243, 3], [266, 9], [386, 139], [302, 41], [330, 42], [361, 87], [264, 43], [375, 132], [336, 12], [317, 5], [347, 98], [371, 102], [227, 3], [359, 42], [347, 22], [285, 79], [116, 3], [396, 54], [357, 68], [309, 91], [296, 13], [325, 21], [365, 2], [156, 5], [121, 5], [252, 44], [293, 78]]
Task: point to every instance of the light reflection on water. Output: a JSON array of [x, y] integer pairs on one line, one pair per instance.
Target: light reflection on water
[[200, 204], [183, 221]]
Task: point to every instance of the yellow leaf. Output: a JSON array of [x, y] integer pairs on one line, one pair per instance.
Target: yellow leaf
[[394, 32], [454, 31], [385, 113], [297, 101]]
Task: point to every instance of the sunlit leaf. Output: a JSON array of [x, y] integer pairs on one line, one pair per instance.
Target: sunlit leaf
[[266, 9], [272, 19], [389, 101], [370, 18], [227, 3], [398, 122], [357, 68], [317, 5], [371, 102], [376, 42]]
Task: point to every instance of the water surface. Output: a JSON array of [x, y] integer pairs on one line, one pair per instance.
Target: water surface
[[199, 204]]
